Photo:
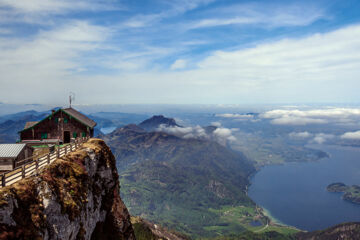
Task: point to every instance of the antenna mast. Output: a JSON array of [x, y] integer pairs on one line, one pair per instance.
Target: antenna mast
[[71, 97]]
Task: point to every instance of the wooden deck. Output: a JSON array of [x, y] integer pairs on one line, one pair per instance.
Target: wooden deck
[[32, 167]]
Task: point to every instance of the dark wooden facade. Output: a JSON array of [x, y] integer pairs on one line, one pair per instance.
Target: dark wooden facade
[[62, 125], [11, 162]]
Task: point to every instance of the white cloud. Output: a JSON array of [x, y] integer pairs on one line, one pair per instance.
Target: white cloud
[[317, 113], [139, 21], [286, 120], [48, 59], [314, 116], [184, 132], [224, 135], [311, 66], [41, 12], [351, 135], [53, 6], [321, 138], [216, 124], [235, 115], [174, 8], [306, 69], [220, 134], [220, 22], [262, 15], [300, 135], [178, 64]]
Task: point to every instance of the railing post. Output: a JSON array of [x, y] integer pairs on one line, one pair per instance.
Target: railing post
[[48, 158], [23, 171], [36, 164], [58, 153], [65, 150], [3, 180]]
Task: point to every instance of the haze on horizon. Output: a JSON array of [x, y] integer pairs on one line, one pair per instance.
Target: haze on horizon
[[179, 52]]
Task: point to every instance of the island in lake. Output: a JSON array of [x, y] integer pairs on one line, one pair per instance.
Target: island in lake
[[351, 193]]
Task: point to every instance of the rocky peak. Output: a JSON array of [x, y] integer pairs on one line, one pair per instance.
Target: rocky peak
[[75, 197], [154, 122]]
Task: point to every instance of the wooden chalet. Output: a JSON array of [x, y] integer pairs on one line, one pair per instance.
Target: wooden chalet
[[12, 155], [61, 126]]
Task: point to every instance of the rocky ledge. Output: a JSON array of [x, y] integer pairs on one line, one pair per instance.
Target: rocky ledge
[[75, 197]]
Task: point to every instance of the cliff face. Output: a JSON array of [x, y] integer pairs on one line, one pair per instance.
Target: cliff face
[[76, 197]]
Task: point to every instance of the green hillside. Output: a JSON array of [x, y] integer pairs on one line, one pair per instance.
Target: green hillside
[[189, 185]]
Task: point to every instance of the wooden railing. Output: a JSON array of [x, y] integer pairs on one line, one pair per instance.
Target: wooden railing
[[30, 168]]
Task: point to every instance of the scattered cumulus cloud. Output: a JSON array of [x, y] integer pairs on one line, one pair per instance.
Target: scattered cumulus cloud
[[221, 135], [351, 135], [238, 117], [234, 115], [300, 135], [314, 116], [321, 138], [216, 124], [288, 120]]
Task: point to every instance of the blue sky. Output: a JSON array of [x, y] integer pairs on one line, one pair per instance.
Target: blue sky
[[179, 52]]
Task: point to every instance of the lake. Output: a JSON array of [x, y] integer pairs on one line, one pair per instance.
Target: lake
[[295, 193]]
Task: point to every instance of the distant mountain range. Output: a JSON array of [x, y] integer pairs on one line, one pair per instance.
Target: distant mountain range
[[11, 124]]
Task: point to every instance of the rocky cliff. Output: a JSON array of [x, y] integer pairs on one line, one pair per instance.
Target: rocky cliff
[[344, 231], [76, 197]]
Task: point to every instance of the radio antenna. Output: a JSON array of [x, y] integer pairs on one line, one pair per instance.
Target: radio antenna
[[71, 98]]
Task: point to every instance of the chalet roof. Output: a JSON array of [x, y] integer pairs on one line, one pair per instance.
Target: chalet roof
[[69, 111], [29, 124], [11, 150], [80, 117]]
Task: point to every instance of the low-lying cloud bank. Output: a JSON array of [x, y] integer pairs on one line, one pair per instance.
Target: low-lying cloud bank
[[344, 116], [215, 132], [238, 117], [321, 138], [318, 138], [300, 135], [351, 135], [235, 115]]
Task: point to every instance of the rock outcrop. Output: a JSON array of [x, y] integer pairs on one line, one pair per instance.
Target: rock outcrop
[[342, 231], [146, 230], [75, 197]]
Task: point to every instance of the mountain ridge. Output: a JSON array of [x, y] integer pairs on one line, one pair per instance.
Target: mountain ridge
[[165, 177]]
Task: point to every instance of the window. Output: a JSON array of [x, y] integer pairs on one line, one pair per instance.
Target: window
[[74, 134], [83, 134], [44, 135], [66, 120]]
